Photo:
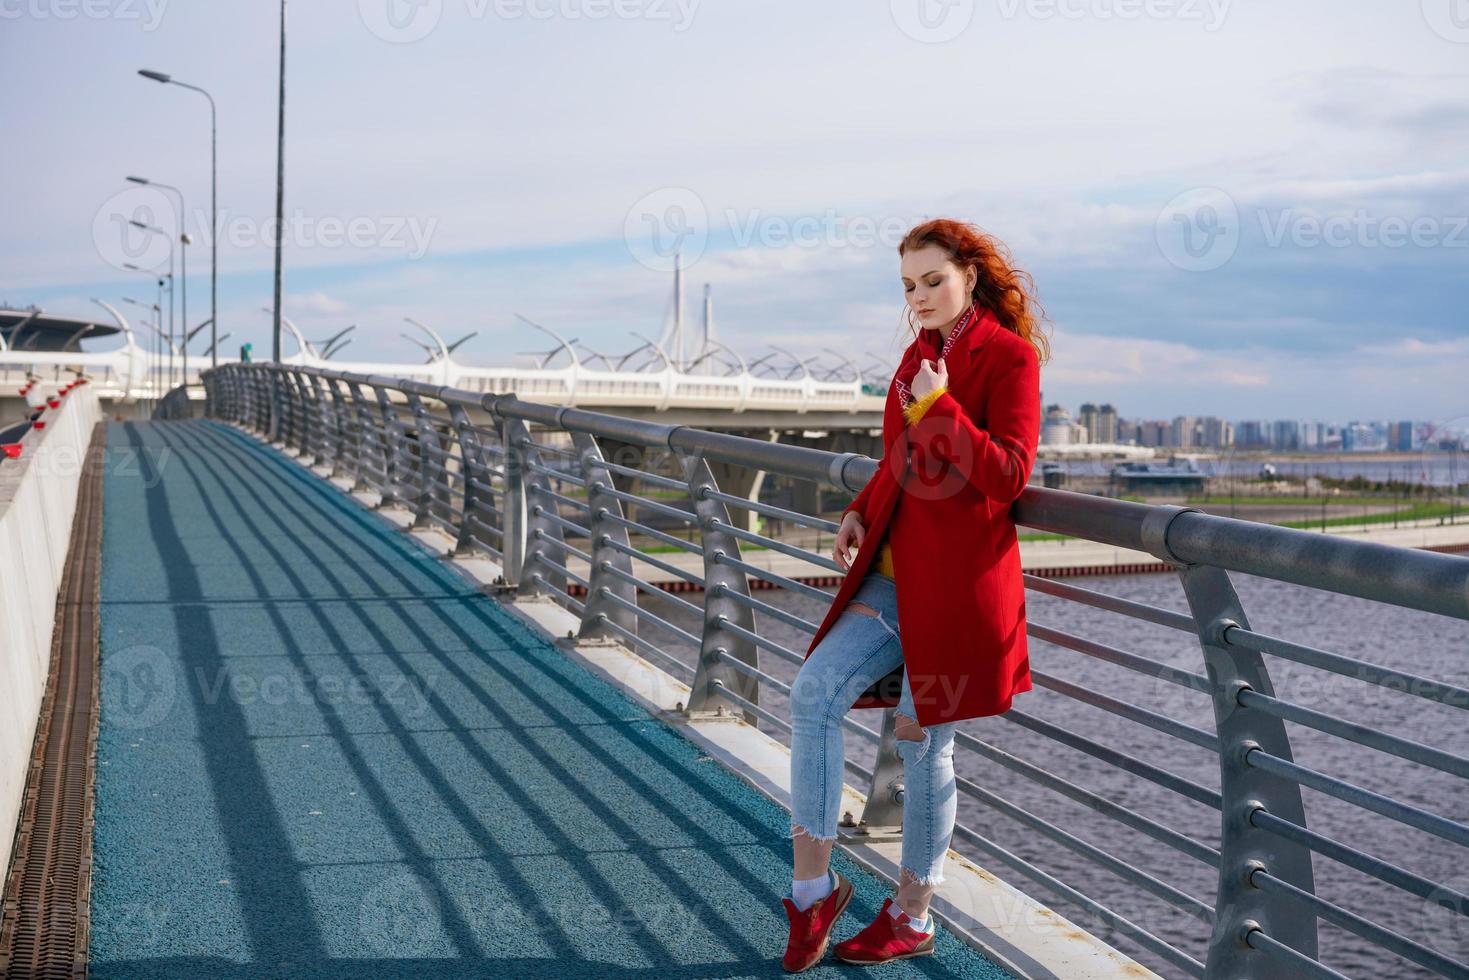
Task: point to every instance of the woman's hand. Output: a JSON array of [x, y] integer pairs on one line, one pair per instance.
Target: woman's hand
[[931, 377], [850, 534]]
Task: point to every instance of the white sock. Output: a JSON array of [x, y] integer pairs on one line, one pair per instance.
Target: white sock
[[805, 891], [921, 925]]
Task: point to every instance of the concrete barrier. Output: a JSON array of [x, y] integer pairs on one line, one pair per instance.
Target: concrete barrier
[[38, 495]]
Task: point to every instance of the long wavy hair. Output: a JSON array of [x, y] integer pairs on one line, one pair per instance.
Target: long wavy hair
[[998, 285]]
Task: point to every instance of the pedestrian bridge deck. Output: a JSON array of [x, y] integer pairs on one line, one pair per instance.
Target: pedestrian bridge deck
[[324, 753]]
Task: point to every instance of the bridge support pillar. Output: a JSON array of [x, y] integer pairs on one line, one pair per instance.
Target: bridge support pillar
[[742, 481]]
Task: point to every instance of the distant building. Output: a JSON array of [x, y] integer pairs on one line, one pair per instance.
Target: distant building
[[1152, 432], [1285, 434], [1181, 434], [1098, 424], [1362, 437], [1215, 433], [1400, 437], [1087, 419], [1252, 435], [1056, 429]]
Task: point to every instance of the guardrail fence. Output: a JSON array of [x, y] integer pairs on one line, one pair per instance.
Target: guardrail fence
[[530, 486]]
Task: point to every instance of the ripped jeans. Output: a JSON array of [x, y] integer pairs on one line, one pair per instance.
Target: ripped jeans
[[857, 651]]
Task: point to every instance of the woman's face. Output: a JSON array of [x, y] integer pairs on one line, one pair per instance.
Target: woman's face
[[937, 290]]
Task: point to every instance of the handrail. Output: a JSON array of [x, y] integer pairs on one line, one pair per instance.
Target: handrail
[[553, 519]]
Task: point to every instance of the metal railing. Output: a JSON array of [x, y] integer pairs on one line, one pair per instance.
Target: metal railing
[[551, 515], [176, 403]]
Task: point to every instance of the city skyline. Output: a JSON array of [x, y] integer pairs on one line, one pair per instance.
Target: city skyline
[[1102, 424]]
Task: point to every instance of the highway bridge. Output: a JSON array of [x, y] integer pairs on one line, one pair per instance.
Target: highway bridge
[[727, 391]]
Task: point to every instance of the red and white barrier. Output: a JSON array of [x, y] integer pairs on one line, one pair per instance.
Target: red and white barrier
[[39, 478]]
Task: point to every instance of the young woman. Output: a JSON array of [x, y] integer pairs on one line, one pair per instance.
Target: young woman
[[960, 431]]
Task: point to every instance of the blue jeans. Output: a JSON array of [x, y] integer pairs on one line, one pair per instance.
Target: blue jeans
[[857, 651]]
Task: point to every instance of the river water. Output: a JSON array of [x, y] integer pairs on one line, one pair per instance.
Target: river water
[[1422, 643], [1433, 468]]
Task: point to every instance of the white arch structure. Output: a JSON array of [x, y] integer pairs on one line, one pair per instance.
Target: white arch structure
[[123, 374]]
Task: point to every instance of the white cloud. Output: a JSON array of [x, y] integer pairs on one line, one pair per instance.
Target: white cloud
[[1412, 347], [318, 302]]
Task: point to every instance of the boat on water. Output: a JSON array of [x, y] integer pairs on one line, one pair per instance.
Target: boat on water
[[1175, 476]]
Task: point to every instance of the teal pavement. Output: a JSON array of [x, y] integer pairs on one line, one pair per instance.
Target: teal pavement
[[324, 754]]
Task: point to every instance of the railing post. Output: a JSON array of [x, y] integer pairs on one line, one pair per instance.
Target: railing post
[[302, 415], [290, 422], [884, 810], [328, 439], [471, 464], [720, 581], [512, 543], [1239, 905], [363, 412], [388, 431], [429, 467], [343, 419], [599, 609], [291, 416], [273, 431], [262, 386], [523, 512]]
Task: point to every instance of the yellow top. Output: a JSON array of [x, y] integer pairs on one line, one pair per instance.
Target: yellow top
[[883, 563]]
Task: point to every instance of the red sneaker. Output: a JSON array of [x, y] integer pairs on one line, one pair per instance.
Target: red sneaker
[[811, 929], [887, 938]]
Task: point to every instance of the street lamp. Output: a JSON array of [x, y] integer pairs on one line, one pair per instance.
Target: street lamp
[[186, 241], [167, 238], [156, 352], [159, 76], [156, 348], [280, 187]]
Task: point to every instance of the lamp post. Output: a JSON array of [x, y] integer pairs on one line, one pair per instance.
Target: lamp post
[[280, 186], [159, 76], [168, 238], [152, 367], [185, 242], [153, 348]]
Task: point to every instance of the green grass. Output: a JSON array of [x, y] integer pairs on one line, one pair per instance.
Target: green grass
[[665, 549], [1247, 501], [1415, 513]]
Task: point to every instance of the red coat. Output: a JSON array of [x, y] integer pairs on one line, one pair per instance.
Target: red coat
[[945, 485]]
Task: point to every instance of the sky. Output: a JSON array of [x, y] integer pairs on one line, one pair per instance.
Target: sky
[[1229, 207]]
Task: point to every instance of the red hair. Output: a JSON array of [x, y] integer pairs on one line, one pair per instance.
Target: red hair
[[998, 285]]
